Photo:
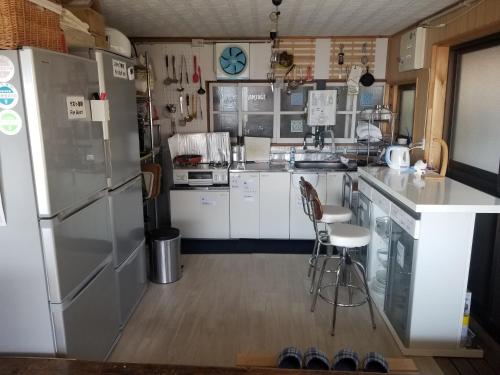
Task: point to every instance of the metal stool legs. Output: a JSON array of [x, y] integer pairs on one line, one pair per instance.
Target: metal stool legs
[[312, 259], [343, 273]]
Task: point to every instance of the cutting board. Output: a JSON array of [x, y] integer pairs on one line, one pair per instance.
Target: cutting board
[[257, 149]]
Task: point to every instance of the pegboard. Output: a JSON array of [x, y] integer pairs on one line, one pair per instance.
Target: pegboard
[[303, 51], [353, 51]]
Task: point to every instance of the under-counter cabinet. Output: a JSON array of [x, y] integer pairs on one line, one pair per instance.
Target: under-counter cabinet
[[334, 192], [300, 225], [428, 257], [274, 205], [201, 212], [244, 204]]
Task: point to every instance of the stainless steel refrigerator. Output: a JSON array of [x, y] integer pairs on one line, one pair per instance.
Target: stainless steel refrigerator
[[116, 79], [57, 282]]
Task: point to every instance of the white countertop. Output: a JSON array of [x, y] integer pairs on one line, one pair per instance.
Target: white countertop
[[426, 195]]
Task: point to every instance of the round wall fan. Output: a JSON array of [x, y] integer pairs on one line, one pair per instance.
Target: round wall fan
[[233, 60]]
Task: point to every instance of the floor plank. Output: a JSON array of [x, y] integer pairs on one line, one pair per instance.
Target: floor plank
[[227, 304], [446, 366], [481, 366], [463, 366]]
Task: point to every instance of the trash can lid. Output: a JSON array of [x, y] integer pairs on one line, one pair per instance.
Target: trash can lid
[[162, 234]]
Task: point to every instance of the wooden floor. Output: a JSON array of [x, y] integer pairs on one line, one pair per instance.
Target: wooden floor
[[465, 366], [253, 303]]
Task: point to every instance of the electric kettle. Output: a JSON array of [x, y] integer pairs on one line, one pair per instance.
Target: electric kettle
[[397, 157]]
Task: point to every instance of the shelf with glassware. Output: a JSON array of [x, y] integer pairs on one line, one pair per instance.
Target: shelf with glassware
[[375, 131], [149, 141]]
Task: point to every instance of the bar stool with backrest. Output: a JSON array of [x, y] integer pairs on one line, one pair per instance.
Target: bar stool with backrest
[[345, 236], [330, 214]]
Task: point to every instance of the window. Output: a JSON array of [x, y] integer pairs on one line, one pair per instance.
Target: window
[[349, 106], [224, 108], [254, 109], [406, 109], [292, 116], [257, 110], [475, 126]]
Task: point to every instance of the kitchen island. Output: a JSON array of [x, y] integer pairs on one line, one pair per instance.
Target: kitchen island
[[432, 228]]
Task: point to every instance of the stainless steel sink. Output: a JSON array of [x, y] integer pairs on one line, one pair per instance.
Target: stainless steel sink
[[320, 164]]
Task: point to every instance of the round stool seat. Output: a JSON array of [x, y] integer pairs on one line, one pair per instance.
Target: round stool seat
[[335, 214], [348, 235]]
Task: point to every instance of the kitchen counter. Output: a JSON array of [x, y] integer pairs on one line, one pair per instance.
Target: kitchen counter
[[280, 167], [426, 195], [429, 251]]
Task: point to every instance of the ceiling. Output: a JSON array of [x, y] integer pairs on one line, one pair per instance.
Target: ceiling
[[249, 18]]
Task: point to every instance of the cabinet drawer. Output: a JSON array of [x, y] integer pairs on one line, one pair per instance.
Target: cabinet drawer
[[364, 188], [132, 282], [87, 326], [127, 219], [74, 246]]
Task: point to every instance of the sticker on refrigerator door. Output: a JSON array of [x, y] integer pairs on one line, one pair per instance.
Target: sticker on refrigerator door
[[10, 122], [120, 69], [205, 201], [400, 256], [7, 69], [8, 96], [76, 107]]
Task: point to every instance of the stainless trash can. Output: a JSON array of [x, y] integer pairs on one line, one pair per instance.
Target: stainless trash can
[[165, 255]]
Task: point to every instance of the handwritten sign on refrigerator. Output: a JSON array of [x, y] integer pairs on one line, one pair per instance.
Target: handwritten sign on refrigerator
[[76, 107], [120, 69]]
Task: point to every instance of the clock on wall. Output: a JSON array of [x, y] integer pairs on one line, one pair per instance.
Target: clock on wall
[[232, 61]]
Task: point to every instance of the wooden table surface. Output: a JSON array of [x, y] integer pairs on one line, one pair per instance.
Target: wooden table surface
[[59, 366]]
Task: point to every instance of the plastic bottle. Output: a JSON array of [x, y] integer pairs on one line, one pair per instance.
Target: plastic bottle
[[292, 156]]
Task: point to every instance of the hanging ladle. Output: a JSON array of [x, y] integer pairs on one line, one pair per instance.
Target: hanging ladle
[[180, 88], [201, 90], [167, 80], [187, 116]]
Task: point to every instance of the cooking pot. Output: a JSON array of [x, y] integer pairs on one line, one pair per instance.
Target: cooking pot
[[397, 157]]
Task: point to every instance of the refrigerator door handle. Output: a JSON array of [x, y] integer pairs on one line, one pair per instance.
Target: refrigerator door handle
[[128, 185], [69, 300], [107, 154], [65, 214]]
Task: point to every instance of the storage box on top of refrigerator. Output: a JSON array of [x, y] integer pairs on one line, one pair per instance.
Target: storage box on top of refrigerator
[[58, 293]]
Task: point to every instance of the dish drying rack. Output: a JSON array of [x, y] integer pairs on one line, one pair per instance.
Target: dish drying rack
[[382, 118]]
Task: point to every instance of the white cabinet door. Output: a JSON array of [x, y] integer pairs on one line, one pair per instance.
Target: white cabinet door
[[244, 208], [274, 205], [334, 188], [200, 213], [301, 226]]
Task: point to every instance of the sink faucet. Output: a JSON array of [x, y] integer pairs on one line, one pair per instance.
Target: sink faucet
[[304, 145], [332, 137], [319, 138]]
